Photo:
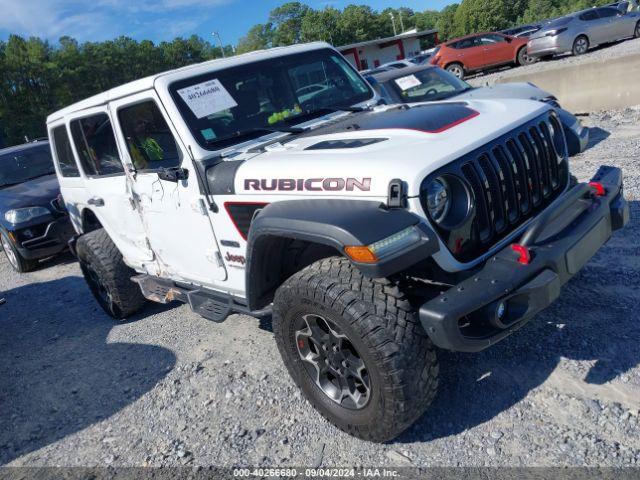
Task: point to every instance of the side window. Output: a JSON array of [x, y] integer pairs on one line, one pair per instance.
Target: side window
[[64, 154], [607, 12], [491, 39], [589, 16], [149, 140], [96, 145]]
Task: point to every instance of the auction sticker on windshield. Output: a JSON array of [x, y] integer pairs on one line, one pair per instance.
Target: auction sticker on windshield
[[207, 98], [410, 81]]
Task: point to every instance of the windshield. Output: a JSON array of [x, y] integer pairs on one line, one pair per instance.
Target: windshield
[[221, 106], [23, 165], [428, 85]]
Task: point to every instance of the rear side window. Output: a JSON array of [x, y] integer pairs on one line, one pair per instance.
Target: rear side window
[[96, 145], [462, 44], [149, 140], [64, 154]]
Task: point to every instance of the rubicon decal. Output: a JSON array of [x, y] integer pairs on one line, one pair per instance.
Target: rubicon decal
[[308, 184]]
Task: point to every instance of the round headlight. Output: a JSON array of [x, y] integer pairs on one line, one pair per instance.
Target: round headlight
[[438, 196]]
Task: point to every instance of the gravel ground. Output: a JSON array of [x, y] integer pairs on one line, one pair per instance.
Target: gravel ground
[[170, 388], [599, 54]]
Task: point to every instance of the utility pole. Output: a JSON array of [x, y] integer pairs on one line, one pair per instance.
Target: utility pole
[[393, 22], [217, 35]]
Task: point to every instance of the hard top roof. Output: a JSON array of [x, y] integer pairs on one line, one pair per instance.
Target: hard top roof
[[167, 77]]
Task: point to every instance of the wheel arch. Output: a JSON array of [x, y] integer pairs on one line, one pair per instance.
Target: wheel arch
[[287, 236], [89, 221]]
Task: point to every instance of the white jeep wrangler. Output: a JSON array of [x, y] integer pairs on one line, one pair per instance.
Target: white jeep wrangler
[[273, 184]]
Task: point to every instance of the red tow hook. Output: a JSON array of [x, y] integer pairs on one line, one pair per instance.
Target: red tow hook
[[600, 191], [525, 254]]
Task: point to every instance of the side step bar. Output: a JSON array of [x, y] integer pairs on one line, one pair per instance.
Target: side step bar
[[212, 305]]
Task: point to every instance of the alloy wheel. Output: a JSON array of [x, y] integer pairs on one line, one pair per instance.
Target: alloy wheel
[[582, 45], [8, 250], [456, 70], [332, 361]]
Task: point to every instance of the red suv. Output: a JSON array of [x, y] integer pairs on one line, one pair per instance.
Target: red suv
[[480, 51]]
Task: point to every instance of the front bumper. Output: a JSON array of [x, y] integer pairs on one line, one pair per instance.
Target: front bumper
[[561, 241], [51, 240]]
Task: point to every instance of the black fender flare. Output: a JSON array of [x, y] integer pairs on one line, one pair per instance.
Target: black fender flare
[[335, 223]]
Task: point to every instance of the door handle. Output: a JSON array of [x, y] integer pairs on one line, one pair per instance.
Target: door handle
[[96, 202]]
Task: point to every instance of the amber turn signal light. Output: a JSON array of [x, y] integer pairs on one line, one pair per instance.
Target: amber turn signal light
[[361, 254]]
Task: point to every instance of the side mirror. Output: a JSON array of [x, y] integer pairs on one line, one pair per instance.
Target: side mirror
[[509, 39], [174, 174]]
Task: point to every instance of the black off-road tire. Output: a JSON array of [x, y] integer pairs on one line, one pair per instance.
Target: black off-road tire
[[17, 261], [108, 277], [381, 325]]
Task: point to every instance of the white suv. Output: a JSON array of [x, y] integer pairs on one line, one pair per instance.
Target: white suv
[[373, 235]]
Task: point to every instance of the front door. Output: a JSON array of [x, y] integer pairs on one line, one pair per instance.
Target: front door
[[174, 212], [497, 50]]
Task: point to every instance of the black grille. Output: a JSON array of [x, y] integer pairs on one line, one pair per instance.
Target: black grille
[[511, 180]]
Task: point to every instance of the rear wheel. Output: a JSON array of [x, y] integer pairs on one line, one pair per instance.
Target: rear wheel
[[108, 277], [355, 348], [580, 45], [17, 261], [636, 32], [456, 69]]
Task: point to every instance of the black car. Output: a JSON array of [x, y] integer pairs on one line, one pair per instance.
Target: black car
[[34, 223]]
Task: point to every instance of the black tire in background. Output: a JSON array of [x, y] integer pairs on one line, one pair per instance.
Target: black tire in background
[[580, 45], [376, 324], [108, 277], [17, 261]]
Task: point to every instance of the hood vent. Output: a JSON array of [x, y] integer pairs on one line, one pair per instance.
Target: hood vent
[[347, 143]]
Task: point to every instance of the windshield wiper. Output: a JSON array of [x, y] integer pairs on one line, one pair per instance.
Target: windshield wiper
[[251, 131]]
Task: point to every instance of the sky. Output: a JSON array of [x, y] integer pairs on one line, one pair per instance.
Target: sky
[[157, 20]]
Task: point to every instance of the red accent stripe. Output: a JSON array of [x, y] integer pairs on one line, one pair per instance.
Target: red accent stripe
[[226, 207], [442, 129]]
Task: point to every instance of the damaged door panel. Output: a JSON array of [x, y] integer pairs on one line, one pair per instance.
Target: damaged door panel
[[179, 234]]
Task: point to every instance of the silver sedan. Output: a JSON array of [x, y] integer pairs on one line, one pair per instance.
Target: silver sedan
[[579, 32]]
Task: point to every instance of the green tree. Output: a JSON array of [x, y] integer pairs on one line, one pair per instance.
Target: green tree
[[258, 37], [287, 22]]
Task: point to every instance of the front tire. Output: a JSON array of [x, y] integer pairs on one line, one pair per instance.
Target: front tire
[[580, 46], [108, 277], [523, 58], [17, 261], [355, 348]]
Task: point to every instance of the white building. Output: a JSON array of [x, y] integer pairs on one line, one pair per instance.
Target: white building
[[373, 53]]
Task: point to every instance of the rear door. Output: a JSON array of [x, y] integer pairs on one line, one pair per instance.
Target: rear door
[[175, 213], [469, 52], [96, 186]]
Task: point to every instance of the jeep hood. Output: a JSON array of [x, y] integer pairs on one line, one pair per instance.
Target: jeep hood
[[358, 154]]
